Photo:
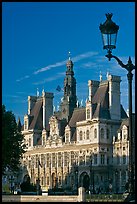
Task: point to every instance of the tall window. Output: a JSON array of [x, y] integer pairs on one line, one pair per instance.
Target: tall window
[[81, 135], [25, 125], [44, 140], [95, 133], [108, 133], [102, 159], [95, 158], [59, 159], [72, 158], [124, 159], [118, 159], [67, 137], [48, 160], [29, 142], [66, 158], [88, 114], [87, 160], [87, 134], [53, 159], [102, 133], [47, 180]]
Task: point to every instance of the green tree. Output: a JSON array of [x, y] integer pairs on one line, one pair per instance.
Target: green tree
[[12, 142]]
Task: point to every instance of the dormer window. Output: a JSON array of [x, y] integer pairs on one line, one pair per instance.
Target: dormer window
[[67, 138], [87, 134], [25, 125], [95, 133], [88, 113], [81, 135]]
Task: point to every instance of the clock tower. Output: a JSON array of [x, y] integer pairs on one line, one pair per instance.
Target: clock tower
[[69, 99]]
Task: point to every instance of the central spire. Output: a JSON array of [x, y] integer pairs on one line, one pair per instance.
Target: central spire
[[69, 99], [69, 54]]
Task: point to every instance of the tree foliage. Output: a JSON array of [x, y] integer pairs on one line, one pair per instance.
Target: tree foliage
[[12, 142]]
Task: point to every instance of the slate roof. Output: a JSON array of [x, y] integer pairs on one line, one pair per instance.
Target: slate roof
[[36, 115], [79, 114]]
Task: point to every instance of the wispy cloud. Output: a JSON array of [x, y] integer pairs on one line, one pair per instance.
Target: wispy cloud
[[58, 64], [74, 59], [53, 78], [25, 77]]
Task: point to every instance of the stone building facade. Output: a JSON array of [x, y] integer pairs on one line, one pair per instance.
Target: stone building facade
[[75, 146]]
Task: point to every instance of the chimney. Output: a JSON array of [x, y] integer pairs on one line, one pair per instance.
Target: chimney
[[114, 97], [93, 86], [47, 107], [31, 103]]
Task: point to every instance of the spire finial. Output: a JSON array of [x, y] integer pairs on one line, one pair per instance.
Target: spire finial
[[37, 92], [100, 76], [107, 74], [69, 54]]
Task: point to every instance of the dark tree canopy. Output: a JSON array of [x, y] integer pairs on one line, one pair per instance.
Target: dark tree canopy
[[12, 142]]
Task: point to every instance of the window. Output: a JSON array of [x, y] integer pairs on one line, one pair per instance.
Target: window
[[95, 133], [67, 137], [59, 181], [118, 159], [29, 142], [48, 160], [42, 181], [59, 159], [124, 159], [108, 133], [53, 159], [48, 180], [25, 125], [108, 160], [102, 159], [80, 135], [102, 133], [29, 163], [87, 134], [95, 158], [124, 148], [124, 134], [87, 160], [66, 158], [65, 179], [72, 158], [88, 114], [44, 140]]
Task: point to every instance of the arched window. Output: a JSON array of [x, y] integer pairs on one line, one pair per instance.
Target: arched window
[[108, 133], [102, 133], [87, 134], [95, 133], [81, 135], [88, 113]]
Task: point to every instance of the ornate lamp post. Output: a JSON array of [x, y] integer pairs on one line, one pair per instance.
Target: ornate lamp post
[[109, 32]]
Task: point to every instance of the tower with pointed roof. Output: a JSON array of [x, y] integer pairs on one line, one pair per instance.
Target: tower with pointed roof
[[69, 99]]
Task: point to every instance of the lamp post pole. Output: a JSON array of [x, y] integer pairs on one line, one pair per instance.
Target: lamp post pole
[[109, 32]]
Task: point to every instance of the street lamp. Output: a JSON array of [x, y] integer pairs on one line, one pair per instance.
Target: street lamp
[[109, 32]]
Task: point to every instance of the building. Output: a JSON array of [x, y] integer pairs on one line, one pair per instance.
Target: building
[[121, 155], [75, 146]]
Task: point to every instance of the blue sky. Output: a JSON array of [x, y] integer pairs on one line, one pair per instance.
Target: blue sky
[[36, 39]]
